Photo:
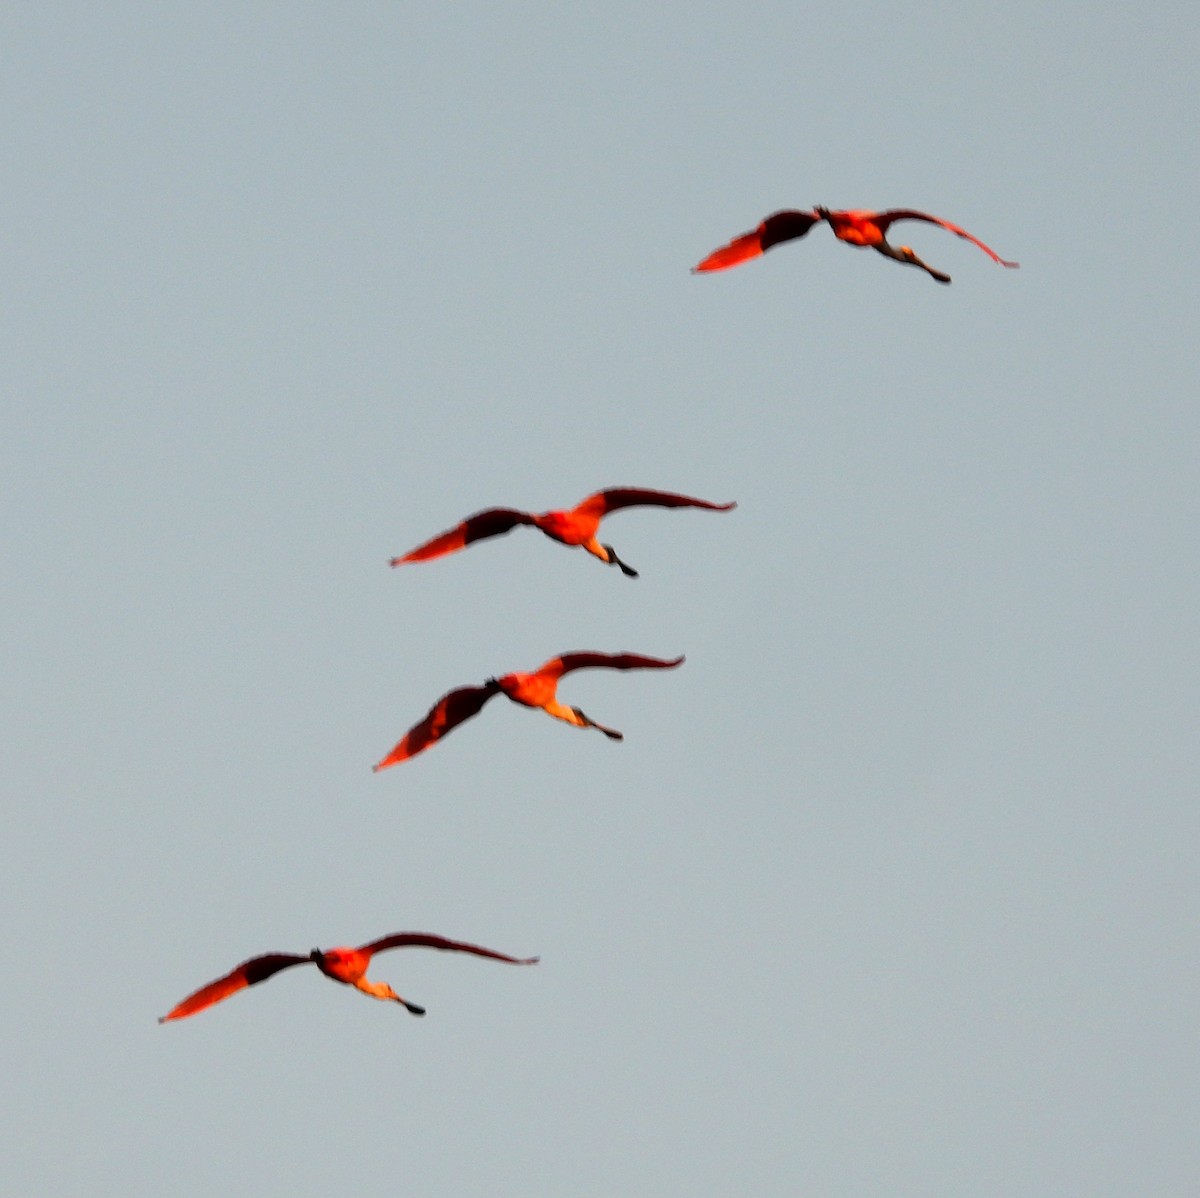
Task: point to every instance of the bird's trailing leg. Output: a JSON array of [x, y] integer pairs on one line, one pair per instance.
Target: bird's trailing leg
[[588, 722], [573, 715], [613, 560], [608, 555], [383, 991], [906, 255]]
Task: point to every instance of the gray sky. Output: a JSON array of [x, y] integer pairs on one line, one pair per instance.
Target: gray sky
[[890, 890]]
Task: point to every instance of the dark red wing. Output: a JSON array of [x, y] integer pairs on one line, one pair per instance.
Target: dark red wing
[[491, 523], [884, 219], [616, 498], [425, 940], [248, 973], [444, 716], [557, 666], [779, 226], [785, 226]]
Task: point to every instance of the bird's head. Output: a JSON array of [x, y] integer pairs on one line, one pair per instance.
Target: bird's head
[[822, 213], [316, 955]]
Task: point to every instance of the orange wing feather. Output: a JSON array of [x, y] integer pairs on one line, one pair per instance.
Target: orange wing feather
[[493, 522], [740, 249], [424, 940], [884, 219], [444, 716], [248, 973]]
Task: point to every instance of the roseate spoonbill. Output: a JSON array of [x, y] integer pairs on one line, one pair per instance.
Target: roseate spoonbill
[[571, 526], [346, 965], [536, 689], [860, 228]]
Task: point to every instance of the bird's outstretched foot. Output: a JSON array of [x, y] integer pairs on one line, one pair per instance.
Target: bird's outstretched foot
[[906, 254], [613, 560], [588, 722]]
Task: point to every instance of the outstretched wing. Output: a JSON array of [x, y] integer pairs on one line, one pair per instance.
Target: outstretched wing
[[779, 226], [424, 940], [884, 219], [616, 498], [446, 714], [248, 973], [557, 666], [491, 523]]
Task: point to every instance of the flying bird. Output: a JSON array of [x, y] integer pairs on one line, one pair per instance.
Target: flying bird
[[536, 689], [859, 228], [571, 526], [346, 965]]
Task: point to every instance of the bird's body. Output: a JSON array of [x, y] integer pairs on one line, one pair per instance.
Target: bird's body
[[860, 227], [537, 688], [346, 965], [577, 526]]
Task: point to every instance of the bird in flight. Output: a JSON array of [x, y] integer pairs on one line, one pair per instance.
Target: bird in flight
[[571, 526], [535, 689], [859, 228], [346, 965]]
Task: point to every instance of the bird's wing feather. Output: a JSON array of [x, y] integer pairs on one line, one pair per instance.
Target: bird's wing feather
[[616, 498], [786, 226], [565, 663], [248, 973], [444, 716], [491, 523], [424, 940], [779, 226], [884, 219]]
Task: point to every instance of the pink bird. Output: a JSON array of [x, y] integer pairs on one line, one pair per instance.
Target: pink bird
[[536, 689], [345, 965], [571, 526], [858, 228]]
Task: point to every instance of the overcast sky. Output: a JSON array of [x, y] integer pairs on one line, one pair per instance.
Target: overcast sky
[[891, 888]]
